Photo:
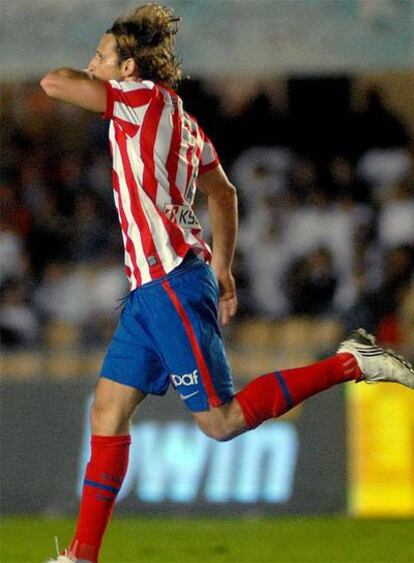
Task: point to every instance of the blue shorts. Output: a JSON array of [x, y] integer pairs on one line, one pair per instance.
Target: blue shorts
[[168, 333]]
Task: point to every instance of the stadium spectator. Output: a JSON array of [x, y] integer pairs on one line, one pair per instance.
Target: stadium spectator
[[260, 171], [378, 305], [266, 268], [63, 294], [396, 217], [344, 184], [382, 169], [378, 126], [48, 238], [303, 180], [14, 212], [308, 222], [98, 176], [346, 218], [19, 326], [88, 238], [13, 259], [311, 283], [387, 300]]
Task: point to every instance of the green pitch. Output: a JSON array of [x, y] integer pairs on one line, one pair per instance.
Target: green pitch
[[276, 540]]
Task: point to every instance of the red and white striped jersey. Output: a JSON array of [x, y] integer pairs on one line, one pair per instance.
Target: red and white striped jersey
[[158, 151]]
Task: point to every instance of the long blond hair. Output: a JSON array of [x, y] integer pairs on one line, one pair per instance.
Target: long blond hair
[[147, 35]]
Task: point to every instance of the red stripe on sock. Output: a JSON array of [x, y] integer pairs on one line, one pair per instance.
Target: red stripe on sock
[[213, 399], [307, 381]]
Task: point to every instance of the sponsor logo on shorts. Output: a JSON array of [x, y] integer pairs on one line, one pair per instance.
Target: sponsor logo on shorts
[[185, 379], [182, 215]]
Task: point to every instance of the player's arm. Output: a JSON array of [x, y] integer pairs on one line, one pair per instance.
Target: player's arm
[[75, 87], [222, 207]]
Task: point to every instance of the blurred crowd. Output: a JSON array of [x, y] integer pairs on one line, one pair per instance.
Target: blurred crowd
[[326, 214]]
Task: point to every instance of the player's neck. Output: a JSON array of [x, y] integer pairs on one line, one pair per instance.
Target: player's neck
[[132, 79]]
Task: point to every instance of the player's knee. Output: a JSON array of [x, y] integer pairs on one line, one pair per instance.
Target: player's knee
[[107, 420], [218, 432]]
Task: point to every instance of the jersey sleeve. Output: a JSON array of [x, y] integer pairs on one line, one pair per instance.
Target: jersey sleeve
[[126, 102], [209, 157]]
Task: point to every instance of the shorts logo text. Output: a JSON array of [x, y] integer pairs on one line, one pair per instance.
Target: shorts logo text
[[185, 379]]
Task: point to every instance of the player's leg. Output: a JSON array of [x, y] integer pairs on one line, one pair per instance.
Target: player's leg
[[222, 423], [111, 413], [113, 407], [130, 371], [273, 394], [359, 358]]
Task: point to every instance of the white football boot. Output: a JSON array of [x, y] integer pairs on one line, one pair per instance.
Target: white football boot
[[64, 558], [375, 363], [61, 559]]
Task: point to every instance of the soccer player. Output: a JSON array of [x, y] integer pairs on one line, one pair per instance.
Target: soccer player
[[168, 331]]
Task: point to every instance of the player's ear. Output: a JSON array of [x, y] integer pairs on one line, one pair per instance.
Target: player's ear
[[129, 67]]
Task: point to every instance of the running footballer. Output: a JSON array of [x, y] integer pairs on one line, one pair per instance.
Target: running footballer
[[168, 332]]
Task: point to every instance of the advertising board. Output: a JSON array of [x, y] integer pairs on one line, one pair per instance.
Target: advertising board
[[291, 465]]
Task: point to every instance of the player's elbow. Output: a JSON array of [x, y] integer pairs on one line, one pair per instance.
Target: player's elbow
[[224, 192], [49, 84], [228, 195], [46, 81], [217, 186], [230, 190]]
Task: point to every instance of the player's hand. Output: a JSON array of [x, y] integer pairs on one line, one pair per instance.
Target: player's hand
[[228, 296]]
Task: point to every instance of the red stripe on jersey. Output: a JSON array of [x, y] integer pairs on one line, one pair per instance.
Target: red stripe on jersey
[[129, 246], [174, 154], [133, 98], [131, 129], [136, 208], [213, 399], [207, 167], [148, 137], [215, 162], [189, 157], [206, 252], [175, 234], [109, 110]]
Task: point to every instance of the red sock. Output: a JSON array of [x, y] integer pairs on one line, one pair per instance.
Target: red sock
[[103, 479], [273, 394]]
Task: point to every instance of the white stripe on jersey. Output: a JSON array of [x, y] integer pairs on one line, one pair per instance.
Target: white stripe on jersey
[[128, 113], [132, 231], [190, 190], [162, 146], [131, 86], [181, 177]]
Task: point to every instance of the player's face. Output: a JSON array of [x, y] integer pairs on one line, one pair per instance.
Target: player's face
[[104, 64]]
